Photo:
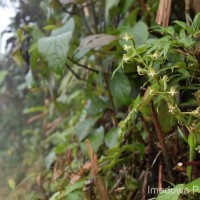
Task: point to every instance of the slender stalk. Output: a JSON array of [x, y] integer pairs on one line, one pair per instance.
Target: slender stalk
[[161, 140], [74, 73], [83, 66], [160, 175], [187, 12], [145, 185], [85, 21]]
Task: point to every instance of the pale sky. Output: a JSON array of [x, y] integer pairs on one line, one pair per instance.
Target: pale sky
[[5, 15]]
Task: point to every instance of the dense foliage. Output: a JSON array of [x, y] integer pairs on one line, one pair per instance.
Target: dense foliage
[[108, 102]]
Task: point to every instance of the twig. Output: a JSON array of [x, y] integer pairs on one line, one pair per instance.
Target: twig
[[145, 185], [74, 73], [83, 66], [160, 176], [116, 185], [111, 100], [155, 159], [98, 179], [78, 9], [85, 21], [140, 185]]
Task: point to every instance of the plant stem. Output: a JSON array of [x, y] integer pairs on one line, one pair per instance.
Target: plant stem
[[161, 140], [83, 66], [74, 73], [187, 12]]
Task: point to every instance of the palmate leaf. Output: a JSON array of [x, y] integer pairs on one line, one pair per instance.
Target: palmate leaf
[[54, 49]]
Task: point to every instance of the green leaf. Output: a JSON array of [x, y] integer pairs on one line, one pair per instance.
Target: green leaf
[[196, 22], [120, 88], [69, 26], [169, 30], [54, 49], [193, 186], [34, 109], [111, 137], [183, 25], [3, 74], [110, 4], [34, 59], [171, 194], [71, 191], [17, 57], [96, 139], [96, 105], [140, 33], [29, 79], [126, 5], [34, 31], [166, 119], [49, 159], [84, 128], [49, 27], [75, 196]]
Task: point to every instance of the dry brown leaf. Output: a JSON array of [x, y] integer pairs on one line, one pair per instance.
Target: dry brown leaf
[[98, 180], [96, 40], [38, 180], [67, 1], [87, 166], [36, 117], [74, 178]]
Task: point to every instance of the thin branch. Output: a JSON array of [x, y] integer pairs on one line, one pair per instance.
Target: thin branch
[[145, 185], [83, 66], [74, 73], [160, 175], [111, 100], [78, 9]]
